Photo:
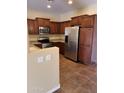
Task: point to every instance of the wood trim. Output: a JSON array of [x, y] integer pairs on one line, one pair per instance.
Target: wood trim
[[63, 21], [42, 18], [54, 22], [83, 15], [31, 19], [66, 21]]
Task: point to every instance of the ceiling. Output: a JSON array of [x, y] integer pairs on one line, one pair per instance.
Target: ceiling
[[58, 6]]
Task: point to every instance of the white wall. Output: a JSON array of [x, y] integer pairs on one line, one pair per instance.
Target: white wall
[[91, 9]]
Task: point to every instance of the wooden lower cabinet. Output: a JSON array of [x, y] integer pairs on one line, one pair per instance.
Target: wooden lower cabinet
[[85, 54], [85, 45], [88, 44], [60, 45]]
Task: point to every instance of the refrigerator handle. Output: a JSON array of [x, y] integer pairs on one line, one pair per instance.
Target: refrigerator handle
[[66, 39]]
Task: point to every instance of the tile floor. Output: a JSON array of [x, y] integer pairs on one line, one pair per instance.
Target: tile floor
[[77, 77]]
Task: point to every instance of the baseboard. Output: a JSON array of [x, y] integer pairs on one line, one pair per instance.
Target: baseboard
[[54, 89]]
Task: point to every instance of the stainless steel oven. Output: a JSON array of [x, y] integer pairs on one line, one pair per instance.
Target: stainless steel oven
[[44, 42], [44, 30]]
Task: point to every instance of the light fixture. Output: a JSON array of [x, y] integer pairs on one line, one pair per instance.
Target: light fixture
[[49, 3], [48, 6], [70, 2]]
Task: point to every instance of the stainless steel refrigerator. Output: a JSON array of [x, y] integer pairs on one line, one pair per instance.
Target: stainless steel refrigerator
[[71, 42]]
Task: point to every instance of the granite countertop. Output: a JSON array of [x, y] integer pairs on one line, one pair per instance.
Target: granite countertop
[[34, 49], [57, 40]]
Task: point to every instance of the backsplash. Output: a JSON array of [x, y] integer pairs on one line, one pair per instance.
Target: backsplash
[[52, 37]]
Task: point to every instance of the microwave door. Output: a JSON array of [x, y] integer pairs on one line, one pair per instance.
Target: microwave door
[[43, 30]]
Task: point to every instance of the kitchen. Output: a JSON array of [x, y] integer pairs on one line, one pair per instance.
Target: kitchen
[[46, 29]]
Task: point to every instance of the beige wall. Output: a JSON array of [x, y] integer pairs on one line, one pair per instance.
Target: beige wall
[[33, 14], [43, 77], [91, 9]]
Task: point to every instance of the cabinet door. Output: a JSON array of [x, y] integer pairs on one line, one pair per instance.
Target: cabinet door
[[75, 21], [43, 22], [63, 25], [62, 28], [36, 27], [53, 28], [85, 45], [46, 22], [60, 45], [87, 21], [84, 54], [39, 21], [80, 20], [67, 24], [31, 28], [86, 36]]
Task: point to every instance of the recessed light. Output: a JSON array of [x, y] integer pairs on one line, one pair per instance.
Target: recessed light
[[70, 2], [48, 6], [50, 1]]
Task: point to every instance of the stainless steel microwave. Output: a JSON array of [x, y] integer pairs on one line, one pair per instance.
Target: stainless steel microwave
[[44, 30]]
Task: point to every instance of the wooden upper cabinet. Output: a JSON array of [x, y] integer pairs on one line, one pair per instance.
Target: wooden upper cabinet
[[75, 21], [43, 22], [86, 35], [67, 23], [87, 21], [31, 26], [54, 27], [84, 21], [63, 25], [36, 27], [80, 20], [62, 28], [46, 22]]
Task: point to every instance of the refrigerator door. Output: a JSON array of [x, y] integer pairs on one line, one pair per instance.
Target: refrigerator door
[[71, 45]]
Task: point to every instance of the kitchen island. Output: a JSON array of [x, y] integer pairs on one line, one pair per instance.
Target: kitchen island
[[43, 70]]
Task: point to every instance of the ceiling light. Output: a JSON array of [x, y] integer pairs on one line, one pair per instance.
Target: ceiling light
[[48, 6], [70, 2], [50, 1]]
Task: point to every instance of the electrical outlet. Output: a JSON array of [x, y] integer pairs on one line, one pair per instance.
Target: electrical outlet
[[40, 59], [48, 57]]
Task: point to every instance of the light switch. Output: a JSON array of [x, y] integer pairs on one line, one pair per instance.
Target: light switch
[[40, 59], [48, 57]]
